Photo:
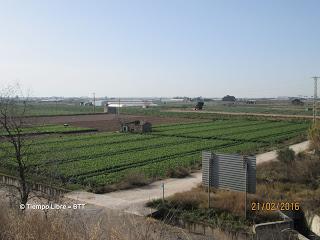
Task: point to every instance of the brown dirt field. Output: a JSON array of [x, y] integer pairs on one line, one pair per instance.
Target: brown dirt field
[[104, 122]]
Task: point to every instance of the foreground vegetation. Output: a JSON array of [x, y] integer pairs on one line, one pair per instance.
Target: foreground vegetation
[[293, 179], [297, 180], [92, 223], [226, 212], [100, 159]]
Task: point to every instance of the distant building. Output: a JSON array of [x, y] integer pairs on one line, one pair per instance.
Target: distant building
[[251, 102], [199, 105], [297, 101], [110, 109], [86, 104], [136, 127], [229, 98], [130, 103], [100, 102]]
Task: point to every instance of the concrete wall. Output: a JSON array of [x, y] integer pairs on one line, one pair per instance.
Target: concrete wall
[[274, 230], [41, 188], [313, 221], [279, 230], [215, 233]]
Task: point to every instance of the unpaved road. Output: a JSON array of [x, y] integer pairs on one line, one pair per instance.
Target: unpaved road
[[133, 200], [271, 156], [245, 114]]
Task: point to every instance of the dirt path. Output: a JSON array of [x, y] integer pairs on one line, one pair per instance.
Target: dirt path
[[271, 156], [133, 200], [246, 114]]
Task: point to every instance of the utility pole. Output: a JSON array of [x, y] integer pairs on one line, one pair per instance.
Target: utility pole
[[119, 107], [94, 102], [315, 96]]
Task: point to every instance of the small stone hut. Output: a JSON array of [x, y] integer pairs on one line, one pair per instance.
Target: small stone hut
[[137, 126]]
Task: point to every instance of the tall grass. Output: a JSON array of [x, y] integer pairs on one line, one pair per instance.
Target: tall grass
[[93, 223]]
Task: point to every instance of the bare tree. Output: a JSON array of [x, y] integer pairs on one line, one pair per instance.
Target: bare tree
[[12, 140]]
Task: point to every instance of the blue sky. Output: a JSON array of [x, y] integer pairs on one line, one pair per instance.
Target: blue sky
[[161, 48]]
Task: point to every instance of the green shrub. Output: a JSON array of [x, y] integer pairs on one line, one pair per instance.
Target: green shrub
[[286, 155], [314, 137], [178, 172], [301, 156]]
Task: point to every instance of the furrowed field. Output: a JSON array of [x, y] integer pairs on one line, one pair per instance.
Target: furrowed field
[[99, 159], [47, 129]]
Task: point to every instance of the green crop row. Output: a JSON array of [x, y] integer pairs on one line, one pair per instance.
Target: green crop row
[[103, 150], [214, 131], [108, 162], [103, 158], [260, 135], [47, 129], [160, 168], [173, 127]]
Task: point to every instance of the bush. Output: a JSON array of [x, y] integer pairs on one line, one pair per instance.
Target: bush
[[314, 137], [301, 156], [135, 179], [189, 200], [178, 172], [131, 180], [286, 155], [307, 172]]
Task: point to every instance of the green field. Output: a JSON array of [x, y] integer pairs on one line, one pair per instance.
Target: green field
[[46, 129], [106, 158], [51, 109], [166, 110], [265, 107]]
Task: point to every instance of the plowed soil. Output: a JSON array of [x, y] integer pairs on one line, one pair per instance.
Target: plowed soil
[[104, 122]]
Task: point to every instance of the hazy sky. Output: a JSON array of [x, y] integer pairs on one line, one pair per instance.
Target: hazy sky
[[161, 48]]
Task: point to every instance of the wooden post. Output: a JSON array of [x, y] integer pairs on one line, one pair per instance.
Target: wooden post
[[162, 192], [245, 165]]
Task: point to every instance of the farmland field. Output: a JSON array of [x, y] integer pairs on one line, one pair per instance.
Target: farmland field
[[51, 109], [106, 158], [102, 122], [222, 111], [46, 129]]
